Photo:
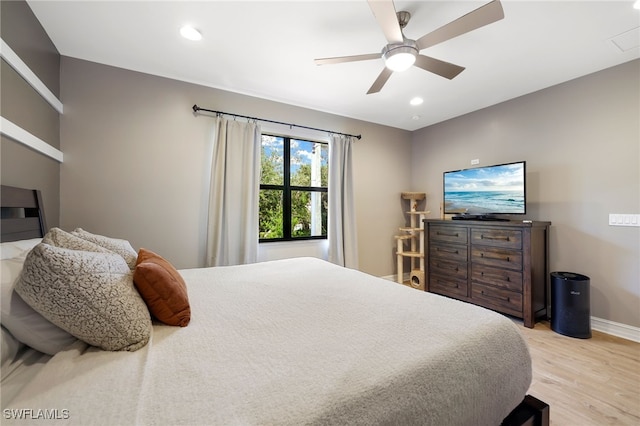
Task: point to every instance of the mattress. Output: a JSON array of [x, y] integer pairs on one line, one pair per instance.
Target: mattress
[[294, 342]]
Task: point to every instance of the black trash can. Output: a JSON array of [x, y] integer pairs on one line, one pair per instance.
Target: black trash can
[[570, 304]]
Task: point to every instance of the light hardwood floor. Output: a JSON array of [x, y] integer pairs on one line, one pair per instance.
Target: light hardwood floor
[[586, 382]]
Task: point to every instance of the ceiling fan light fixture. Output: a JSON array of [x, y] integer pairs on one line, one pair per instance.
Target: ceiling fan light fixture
[[399, 57]]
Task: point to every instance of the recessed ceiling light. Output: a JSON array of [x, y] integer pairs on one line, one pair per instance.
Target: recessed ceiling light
[[416, 101], [636, 5], [190, 33]]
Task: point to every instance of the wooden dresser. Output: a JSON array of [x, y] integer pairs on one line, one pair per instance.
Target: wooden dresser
[[503, 266]]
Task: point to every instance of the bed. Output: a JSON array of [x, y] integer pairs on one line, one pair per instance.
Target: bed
[[289, 342]]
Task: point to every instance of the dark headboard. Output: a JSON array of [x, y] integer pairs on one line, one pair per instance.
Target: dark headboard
[[22, 214]]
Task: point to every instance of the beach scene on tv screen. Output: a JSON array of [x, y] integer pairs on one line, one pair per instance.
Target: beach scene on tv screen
[[497, 189]]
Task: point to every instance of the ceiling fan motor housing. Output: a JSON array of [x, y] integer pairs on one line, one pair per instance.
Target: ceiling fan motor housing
[[400, 56]]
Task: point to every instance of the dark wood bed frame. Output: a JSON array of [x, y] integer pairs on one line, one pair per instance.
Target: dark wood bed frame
[[23, 218], [22, 214], [530, 412]]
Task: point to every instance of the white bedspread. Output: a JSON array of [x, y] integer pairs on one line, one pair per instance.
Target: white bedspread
[[295, 342]]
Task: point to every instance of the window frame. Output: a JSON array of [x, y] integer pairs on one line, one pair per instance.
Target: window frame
[[287, 190]]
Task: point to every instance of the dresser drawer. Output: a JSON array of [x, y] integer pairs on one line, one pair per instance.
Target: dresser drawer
[[448, 269], [509, 302], [448, 252], [508, 238], [501, 278], [448, 234], [493, 256], [448, 286]]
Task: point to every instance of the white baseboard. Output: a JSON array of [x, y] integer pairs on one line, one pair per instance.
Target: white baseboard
[[616, 329]]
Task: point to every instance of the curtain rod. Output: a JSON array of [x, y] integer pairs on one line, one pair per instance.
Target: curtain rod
[[196, 108]]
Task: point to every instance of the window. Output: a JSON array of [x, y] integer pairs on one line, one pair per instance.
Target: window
[[293, 189]]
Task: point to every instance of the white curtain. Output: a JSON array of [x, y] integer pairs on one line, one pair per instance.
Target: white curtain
[[342, 235], [232, 231]]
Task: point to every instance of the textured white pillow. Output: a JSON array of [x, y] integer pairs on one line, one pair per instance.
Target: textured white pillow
[[122, 247], [59, 238], [90, 295], [25, 324]]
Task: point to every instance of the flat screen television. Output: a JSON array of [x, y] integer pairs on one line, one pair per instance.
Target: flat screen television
[[482, 192]]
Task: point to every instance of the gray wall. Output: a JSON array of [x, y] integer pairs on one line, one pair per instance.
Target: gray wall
[[136, 162], [23, 106], [581, 141]]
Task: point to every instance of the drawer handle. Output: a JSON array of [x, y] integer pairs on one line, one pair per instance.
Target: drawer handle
[[482, 237], [446, 234], [445, 250], [506, 258]]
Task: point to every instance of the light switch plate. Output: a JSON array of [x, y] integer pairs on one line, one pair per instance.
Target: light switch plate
[[624, 219]]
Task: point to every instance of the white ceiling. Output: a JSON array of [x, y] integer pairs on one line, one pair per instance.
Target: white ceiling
[[266, 49]]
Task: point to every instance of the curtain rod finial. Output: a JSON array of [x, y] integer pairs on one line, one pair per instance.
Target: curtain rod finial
[[195, 108]]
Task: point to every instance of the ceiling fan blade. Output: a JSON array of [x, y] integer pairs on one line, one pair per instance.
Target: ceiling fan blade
[[380, 81], [385, 13], [436, 66], [340, 59], [484, 15]]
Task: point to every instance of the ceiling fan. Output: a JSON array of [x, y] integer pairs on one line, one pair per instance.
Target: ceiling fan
[[401, 53]]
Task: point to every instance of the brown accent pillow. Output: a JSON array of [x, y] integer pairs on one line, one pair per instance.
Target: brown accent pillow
[[162, 288]]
